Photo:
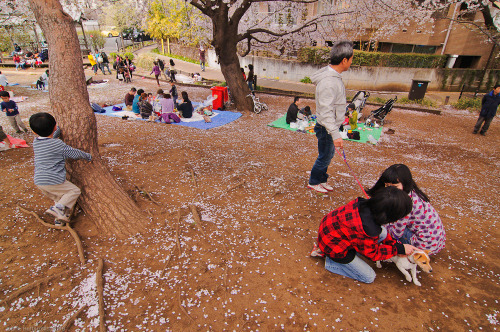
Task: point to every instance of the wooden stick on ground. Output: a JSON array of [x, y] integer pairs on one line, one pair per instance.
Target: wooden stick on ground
[[196, 216], [65, 327], [67, 228], [100, 293], [31, 286]]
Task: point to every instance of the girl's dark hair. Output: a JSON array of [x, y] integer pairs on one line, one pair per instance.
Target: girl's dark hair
[[140, 92], [42, 124], [167, 95], [389, 204], [144, 96], [159, 91], [184, 95], [398, 173]]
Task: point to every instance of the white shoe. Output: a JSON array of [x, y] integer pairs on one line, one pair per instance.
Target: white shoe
[[318, 188], [327, 186]]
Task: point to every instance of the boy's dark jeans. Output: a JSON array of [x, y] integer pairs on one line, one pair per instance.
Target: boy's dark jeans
[[326, 150]]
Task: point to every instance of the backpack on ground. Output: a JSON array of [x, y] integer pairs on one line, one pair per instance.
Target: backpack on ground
[[97, 108]]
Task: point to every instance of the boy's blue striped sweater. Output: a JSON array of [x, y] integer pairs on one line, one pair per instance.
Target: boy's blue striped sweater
[[50, 156]]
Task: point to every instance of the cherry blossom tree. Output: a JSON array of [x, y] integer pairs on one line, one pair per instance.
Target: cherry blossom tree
[[240, 25]]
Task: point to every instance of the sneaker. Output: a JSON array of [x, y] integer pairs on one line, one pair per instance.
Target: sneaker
[[318, 188], [59, 223], [316, 252], [484, 134], [327, 186], [58, 213]]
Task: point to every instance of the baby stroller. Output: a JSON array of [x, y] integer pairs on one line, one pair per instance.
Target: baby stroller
[[359, 100], [380, 113]]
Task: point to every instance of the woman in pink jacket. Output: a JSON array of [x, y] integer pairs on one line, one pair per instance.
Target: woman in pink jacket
[[421, 228]]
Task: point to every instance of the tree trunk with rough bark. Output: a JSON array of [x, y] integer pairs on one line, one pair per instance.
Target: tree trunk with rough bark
[[102, 199], [225, 43]]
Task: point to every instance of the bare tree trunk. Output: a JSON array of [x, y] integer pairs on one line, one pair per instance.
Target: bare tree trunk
[[225, 43], [112, 210]]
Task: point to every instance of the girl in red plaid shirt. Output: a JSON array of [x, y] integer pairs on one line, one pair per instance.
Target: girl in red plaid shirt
[[355, 229]]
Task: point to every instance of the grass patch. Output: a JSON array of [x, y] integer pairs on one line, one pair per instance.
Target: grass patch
[[306, 79], [175, 56], [423, 102], [471, 104]]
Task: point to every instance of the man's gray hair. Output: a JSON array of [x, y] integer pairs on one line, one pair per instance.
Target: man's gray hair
[[340, 50]]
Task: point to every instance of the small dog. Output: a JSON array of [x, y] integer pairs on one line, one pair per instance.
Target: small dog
[[419, 257]]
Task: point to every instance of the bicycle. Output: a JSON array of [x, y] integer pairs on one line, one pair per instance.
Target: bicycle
[[258, 106]]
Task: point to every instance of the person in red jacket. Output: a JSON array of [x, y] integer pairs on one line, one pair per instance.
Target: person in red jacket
[[355, 229]]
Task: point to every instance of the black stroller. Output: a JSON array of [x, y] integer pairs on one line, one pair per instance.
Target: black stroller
[[380, 113]]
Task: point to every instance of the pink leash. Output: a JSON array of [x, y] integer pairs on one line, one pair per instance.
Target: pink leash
[[351, 171]]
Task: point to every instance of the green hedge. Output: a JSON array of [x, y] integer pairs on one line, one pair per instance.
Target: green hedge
[[320, 55]]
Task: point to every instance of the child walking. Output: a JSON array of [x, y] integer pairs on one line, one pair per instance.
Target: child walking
[[50, 172], [10, 108], [355, 229], [422, 228]]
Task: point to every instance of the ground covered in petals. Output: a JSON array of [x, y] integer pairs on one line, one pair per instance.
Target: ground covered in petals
[[246, 266]]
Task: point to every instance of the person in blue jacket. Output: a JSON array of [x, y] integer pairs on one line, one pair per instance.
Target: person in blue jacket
[[489, 106]]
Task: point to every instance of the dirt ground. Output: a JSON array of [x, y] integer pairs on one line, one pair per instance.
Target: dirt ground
[[247, 266]]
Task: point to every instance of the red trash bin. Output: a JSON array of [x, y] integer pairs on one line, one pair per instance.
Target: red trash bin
[[222, 96]]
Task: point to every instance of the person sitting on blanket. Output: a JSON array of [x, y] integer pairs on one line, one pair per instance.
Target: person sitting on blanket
[[129, 98], [293, 110], [157, 102], [351, 121], [145, 106], [186, 108], [167, 104], [304, 113], [135, 106]]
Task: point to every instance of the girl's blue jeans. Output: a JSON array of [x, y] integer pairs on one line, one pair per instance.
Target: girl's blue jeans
[[357, 269]]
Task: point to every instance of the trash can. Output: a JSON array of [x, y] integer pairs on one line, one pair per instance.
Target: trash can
[[220, 92], [418, 89]]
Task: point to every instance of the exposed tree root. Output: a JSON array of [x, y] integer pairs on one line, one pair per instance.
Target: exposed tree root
[[67, 228], [196, 217], [242, 182], [147, 195], [31, 286], [65, 327], [100, 293]]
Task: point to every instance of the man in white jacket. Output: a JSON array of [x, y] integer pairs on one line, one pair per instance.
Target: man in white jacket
[[330, 112]]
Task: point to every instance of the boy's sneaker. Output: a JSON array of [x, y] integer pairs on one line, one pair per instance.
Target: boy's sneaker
[[57, 213], [318, 188], [59, 223], [327, 186]]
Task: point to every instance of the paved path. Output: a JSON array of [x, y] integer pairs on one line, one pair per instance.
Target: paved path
[[290, 86]]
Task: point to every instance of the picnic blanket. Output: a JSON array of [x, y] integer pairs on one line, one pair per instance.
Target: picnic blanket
[[219, 118], [375, 132], [16, 142]]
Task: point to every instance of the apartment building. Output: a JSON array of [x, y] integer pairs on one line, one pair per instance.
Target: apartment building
[[454, 32]]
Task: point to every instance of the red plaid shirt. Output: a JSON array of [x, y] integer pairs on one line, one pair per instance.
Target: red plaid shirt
[[342, 231]]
